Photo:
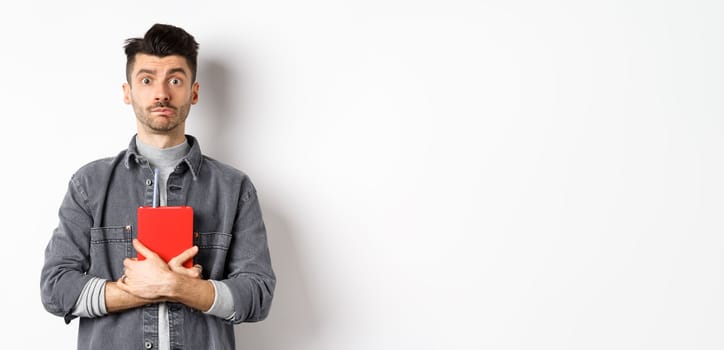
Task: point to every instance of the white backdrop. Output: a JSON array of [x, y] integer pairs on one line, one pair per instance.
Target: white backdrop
[[434, 174]]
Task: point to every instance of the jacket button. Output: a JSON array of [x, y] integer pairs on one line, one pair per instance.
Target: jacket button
[[147, 345], [149, 182]]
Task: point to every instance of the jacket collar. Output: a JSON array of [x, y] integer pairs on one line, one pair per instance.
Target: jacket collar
[[192, 160]]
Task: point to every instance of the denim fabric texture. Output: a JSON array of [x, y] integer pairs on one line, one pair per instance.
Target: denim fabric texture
[[97, 223]]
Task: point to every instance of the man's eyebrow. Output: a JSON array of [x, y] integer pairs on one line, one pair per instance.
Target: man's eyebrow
[[177, 70], [145, 71], [153, 71]]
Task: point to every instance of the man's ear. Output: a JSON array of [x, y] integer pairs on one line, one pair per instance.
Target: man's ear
[[127, 94], [195, 93]]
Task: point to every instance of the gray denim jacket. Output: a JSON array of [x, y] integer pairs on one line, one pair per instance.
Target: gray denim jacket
[[97, 225]]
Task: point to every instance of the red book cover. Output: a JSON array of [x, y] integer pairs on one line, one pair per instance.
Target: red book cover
[[167, 231]]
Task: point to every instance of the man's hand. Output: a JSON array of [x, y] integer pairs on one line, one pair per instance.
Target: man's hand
[[176, 264], [154, 279], [146, 278]]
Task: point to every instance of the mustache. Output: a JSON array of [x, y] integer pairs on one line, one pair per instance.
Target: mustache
[[162, 104]]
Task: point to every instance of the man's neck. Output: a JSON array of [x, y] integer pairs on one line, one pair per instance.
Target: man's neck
[[162, 140]]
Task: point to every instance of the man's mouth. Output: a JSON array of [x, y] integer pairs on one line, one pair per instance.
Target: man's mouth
[[165, 111]]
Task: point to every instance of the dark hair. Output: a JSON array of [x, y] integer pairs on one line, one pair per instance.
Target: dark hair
[[163, 40]]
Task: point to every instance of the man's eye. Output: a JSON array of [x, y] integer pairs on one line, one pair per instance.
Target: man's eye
[[175, 81], [145, 81]]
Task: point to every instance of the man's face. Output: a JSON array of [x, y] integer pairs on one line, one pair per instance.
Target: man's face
[[161, 92]]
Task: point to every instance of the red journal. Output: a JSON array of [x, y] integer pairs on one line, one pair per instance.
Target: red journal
[[168, 231]]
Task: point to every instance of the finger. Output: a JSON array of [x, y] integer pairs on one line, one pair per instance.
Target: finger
[[121, 282], [148, 253], [128, 262], [198, 266], [187, 254], [198, 269], [193, 272]]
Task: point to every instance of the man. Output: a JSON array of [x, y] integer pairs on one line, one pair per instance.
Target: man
[[91, 270]]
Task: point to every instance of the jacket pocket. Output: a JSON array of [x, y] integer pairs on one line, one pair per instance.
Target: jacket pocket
[[108, 247], [213, 248], [212, 240]]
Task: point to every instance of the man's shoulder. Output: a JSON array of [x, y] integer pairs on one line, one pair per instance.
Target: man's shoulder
[[222, 168], [228, 174]]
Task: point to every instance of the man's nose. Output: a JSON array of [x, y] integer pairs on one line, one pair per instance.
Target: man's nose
[[162, 94]]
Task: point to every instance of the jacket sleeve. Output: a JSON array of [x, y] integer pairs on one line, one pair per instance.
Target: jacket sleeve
[[67, 255], [251, 278]]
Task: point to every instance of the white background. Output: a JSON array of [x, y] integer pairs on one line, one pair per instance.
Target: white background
[[434, 174]]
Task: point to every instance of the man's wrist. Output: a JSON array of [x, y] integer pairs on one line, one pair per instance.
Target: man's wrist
[[193, 292]]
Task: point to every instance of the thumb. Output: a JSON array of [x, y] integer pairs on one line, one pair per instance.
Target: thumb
[[187, 254], [143, 249]]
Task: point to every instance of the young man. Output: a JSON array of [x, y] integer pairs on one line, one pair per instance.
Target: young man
[[91, 270]]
